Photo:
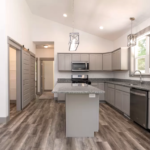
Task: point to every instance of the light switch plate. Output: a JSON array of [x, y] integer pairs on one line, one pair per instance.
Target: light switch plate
[[92, 95]]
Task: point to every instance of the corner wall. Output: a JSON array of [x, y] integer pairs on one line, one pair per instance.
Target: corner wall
[[46, 30]]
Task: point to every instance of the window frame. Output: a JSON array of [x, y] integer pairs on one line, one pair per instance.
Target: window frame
[[132, 58]]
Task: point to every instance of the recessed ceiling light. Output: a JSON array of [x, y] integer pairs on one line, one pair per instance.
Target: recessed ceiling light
[[45, 46], [101, 27], [65, 15]]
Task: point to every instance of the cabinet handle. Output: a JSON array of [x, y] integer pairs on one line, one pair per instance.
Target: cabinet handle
[[139, 94]]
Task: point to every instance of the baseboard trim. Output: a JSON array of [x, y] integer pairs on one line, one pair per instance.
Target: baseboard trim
[[4, 119], [13, 101]]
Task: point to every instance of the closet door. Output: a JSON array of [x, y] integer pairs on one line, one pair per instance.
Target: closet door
[[25, 78], [32, 77]]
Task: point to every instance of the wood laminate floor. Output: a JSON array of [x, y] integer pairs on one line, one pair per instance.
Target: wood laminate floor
[[41, 126]]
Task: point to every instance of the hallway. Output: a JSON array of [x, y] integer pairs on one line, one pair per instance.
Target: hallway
[[41, 126]]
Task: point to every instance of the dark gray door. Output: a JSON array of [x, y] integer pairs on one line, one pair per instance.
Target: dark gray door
[[25, 78], [32, 77]]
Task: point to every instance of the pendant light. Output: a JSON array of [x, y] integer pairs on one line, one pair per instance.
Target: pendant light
[[74, 37], [131, 39]]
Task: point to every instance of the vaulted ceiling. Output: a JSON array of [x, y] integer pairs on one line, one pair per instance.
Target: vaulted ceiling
[[113, 15]]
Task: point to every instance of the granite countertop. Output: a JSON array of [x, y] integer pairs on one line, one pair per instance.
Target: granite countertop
[[138, 86], [76, 88]]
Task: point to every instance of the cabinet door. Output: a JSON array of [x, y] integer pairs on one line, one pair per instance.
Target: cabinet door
[[76, 57], [111, 96], [126, 103], [98, 61], [117, 60], [67, 62], [61, 62], [101, 87], [84, 57], [107, 61], [118, 99], [61, 96], [106, 92], [95, 62]]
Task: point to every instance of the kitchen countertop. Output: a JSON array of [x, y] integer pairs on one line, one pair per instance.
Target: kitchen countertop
[[76, 88], [138, 86]]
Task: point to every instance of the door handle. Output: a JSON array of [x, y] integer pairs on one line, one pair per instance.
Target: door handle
[[139, 94]]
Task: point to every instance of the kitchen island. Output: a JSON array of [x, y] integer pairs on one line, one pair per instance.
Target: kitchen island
[[82, 108]]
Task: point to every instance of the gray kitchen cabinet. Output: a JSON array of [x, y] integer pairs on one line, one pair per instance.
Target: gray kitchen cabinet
[[106, 91], [61, 96], [67, 62], [107, 62], [101, 87], [76, 57], [61, 62], [111, 96], [118, 99], [64, 62], [120, 59], [126, 103], [84, 57], [95, 62]]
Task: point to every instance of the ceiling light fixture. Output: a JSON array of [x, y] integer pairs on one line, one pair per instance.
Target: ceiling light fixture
[[74, 36], [65, 15], [101, 27], [45, 46], [131, 39]]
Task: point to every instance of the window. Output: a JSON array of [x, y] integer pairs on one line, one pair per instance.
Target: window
[[141, 54]]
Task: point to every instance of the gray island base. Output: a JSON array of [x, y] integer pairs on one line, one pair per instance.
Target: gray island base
[[82, 108]]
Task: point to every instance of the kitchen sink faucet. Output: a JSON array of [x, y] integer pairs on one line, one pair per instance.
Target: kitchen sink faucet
[[140, 75]]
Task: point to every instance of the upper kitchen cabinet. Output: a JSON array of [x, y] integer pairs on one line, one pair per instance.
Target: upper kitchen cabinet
[[84, 57], [120, 59], [80, 57], [95, 62], [107, 62], [76, 57], [64, 62]]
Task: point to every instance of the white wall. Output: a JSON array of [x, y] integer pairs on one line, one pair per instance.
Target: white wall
[[46, 30], [19, 23], [48, 75], [12, 73], [3, 62], [122, 42]]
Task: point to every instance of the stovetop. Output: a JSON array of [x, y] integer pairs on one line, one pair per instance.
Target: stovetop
[[80, 79]]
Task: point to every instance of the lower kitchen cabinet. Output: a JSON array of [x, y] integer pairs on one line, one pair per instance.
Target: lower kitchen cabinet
[[111, 96], [101, 87], [118, 99], [126, 103], [61, 96]]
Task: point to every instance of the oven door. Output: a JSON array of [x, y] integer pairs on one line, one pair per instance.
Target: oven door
[[80, 66]]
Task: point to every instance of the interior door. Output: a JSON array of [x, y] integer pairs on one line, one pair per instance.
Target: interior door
[[25, 78], [32, 77]]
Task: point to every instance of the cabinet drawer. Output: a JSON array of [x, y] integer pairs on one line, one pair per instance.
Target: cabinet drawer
[[123, 88], [111, 85]]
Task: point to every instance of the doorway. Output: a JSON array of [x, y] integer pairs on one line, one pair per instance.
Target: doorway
[[46, 77], [14, 78]]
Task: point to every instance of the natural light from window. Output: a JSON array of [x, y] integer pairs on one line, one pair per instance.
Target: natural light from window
[[141, 54]]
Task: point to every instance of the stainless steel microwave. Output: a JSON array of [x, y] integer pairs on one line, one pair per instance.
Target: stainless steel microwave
[[80, 66]]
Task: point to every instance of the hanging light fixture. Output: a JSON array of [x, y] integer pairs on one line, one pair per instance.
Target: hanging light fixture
[[131, 39], [74, 37]]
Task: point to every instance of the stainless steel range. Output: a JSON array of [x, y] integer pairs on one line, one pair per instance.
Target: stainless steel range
[[80, 79]]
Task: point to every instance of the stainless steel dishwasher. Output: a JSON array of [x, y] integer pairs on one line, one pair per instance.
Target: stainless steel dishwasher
[[139, 107]]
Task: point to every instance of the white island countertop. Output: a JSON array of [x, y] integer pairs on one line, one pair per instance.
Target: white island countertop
[[76, 88]]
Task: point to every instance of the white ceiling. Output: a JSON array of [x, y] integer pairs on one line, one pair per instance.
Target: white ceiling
[[90, 14]]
